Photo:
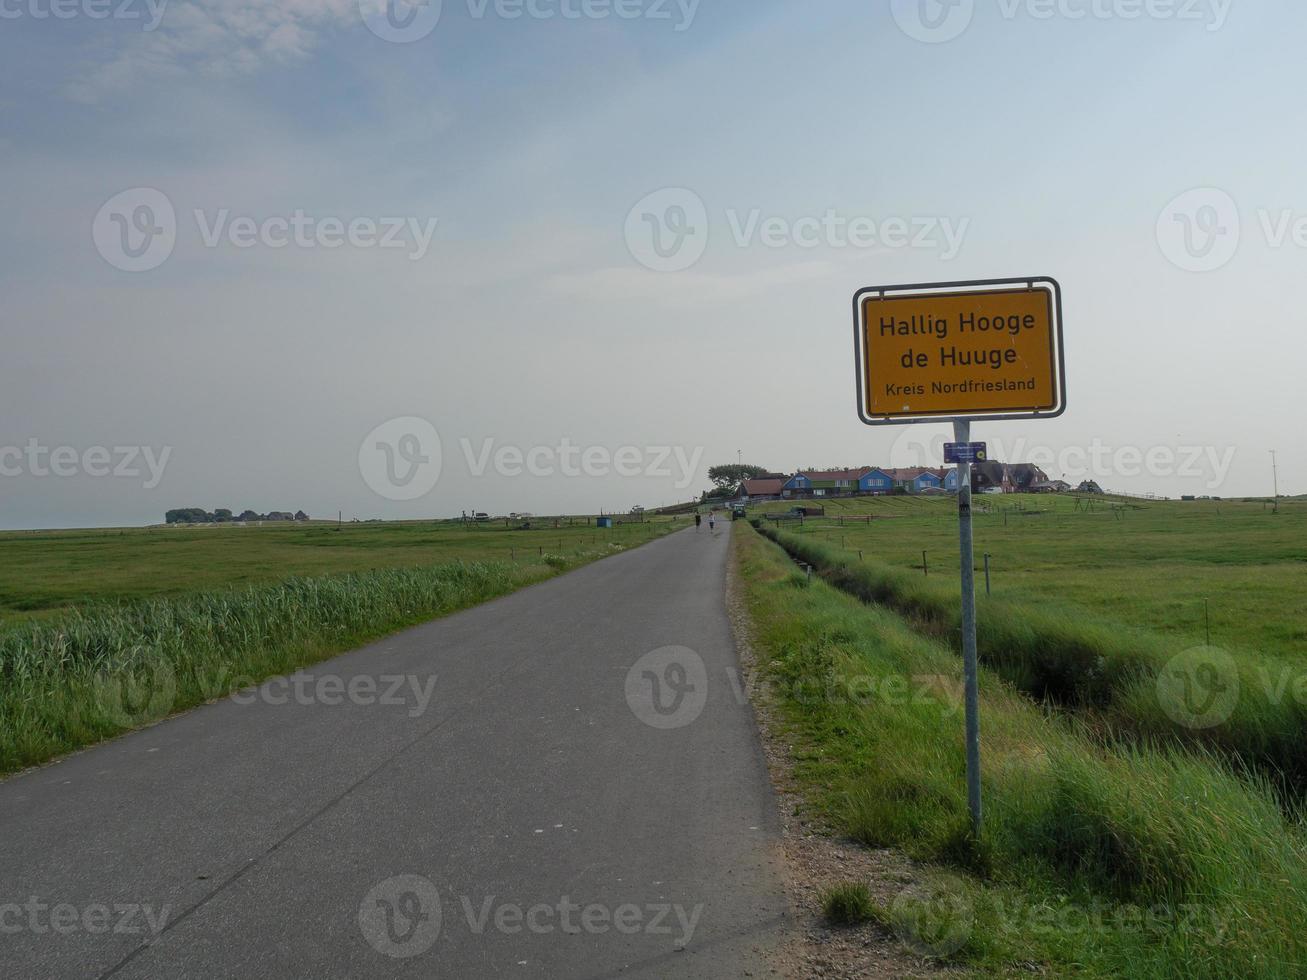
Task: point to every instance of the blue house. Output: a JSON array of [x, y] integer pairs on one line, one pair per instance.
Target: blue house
[[927, 480], [867, 479], [875, 480], [919, 479], [824, 483], [797, 484]]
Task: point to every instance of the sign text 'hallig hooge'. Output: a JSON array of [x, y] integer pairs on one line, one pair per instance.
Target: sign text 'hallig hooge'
[[983, 351]]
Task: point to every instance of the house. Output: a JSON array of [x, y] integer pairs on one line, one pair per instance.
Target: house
[[991, 474], [1007, 477], [875, 480], [762, 487], [1026, 475], [1050, 486], [919, 479], [927, 479], [823, 483]]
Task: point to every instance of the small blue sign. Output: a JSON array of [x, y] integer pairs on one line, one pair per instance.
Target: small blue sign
[[965, 452]]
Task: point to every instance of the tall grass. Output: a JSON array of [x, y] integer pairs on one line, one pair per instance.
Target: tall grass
[[1075, 660], [98, 672], [1097, 858]]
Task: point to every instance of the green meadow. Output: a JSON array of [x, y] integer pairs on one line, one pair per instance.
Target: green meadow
[[43, 573], [1098, 605], [1173, 568], [1101, 856], [106, 631]]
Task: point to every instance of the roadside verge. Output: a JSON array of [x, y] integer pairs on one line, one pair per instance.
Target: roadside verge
[[1097, 859]]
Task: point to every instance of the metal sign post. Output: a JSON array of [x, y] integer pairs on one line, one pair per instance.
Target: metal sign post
[[959, 351], [970, 667]]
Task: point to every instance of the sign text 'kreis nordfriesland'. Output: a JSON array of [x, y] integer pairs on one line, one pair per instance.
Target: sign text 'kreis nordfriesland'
[[960, 350]]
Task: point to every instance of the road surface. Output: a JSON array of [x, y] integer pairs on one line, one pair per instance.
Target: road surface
[[565, 782]]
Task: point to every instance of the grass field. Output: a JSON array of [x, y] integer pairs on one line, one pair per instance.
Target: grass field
[[1099, 857], [45, 573], [105, 631], [1164, 566], [1125, 680]]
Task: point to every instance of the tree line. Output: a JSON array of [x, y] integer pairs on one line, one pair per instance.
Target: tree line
[[198, 515]]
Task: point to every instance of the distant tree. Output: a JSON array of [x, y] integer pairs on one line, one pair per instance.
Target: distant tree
[[188, 515], [730, 476], [198, 515]]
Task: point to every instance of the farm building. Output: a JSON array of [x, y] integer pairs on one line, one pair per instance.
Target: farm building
[[760, 489]]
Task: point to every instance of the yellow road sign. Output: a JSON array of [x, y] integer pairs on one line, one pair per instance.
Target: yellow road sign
[[989, 349]]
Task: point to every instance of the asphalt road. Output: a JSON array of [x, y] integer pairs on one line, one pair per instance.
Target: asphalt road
[[565, 782]]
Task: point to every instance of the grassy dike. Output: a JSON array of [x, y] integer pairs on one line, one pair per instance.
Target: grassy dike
[[105, 669], [1070, 657], [1096, 859]]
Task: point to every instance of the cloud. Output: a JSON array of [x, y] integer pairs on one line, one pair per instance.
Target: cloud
[[212, 38]]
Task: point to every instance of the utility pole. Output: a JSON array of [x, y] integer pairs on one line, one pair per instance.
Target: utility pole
[[1275, 477]]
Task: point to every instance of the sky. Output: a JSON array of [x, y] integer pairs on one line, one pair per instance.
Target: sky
[[560, 256]]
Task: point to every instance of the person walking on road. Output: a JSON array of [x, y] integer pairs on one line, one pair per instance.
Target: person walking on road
[[712, 521], [698, 520]]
